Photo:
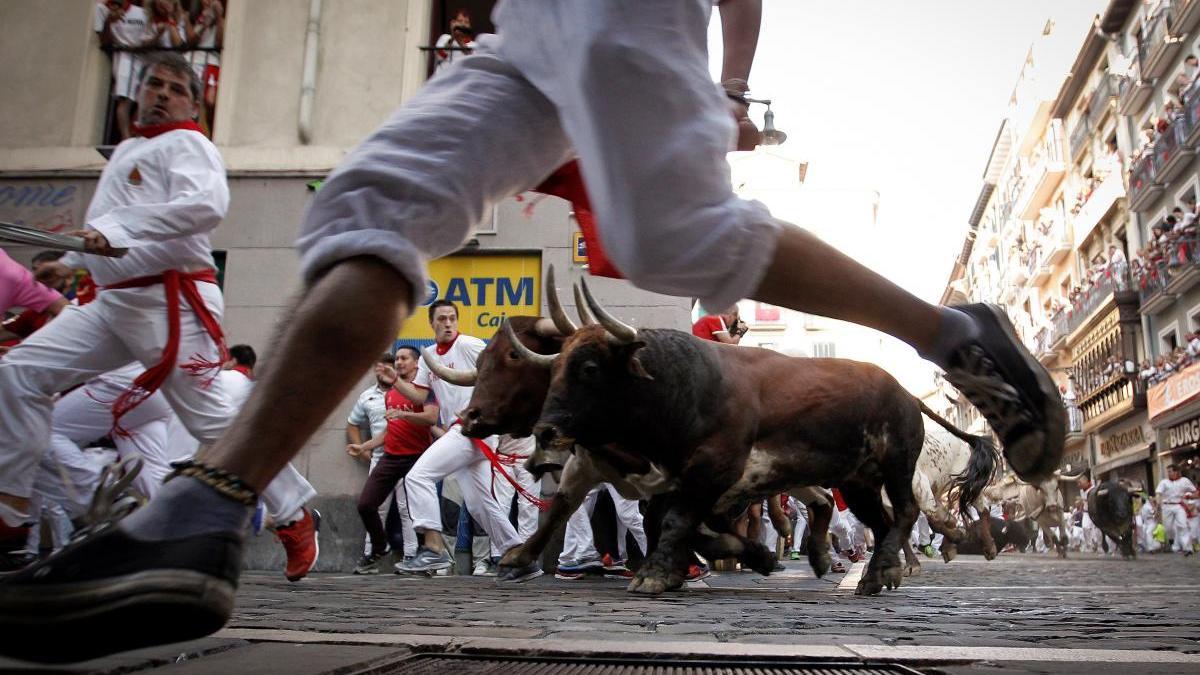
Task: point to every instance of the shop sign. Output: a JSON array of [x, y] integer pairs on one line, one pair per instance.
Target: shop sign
[[1181, 388], [1123, 440], [486, 288], [1184, 434]]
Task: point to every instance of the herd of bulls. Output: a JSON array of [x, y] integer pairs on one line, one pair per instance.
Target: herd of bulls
[[702, 430]]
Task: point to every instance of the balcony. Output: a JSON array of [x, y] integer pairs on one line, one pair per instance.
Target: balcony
[[1185, 15], [1098, 204], [1152, 290], [1171, 153], [1058, 241], [1191, 110], [1043, 342], [1143, 190], [1033, 267], [1133, 93], [1100, 100], [1061, 322], [1172, 275], [1047, 173], [1098, 296], [1081, 134], [1157, 48]]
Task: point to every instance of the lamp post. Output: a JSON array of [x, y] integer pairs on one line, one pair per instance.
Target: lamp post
[[771, 135]]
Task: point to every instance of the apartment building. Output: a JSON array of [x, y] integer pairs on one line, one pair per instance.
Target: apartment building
[[300, 83]]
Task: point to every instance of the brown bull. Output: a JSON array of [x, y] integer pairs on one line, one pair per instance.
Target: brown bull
[[728, 425]]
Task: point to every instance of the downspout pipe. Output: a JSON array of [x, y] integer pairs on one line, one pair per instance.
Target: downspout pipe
[[308, 87]]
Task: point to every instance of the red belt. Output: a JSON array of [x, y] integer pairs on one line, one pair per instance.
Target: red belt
[[498, 461], [175, 284]]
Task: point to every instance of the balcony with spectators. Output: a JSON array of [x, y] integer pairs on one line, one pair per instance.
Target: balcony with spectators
[[1045, 173], [1157, 44]]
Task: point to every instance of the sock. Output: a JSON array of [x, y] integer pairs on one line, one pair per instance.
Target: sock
[[956, 329], [186, 507], [288, 519]]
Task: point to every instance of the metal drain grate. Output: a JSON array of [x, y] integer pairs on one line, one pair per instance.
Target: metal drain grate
[[473, 664]]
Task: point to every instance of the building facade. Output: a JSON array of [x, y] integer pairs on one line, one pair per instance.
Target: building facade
[[300, 83]]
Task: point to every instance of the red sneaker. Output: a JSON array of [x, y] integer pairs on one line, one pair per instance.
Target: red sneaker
[[615, 569], [698, 572], [300, 542]]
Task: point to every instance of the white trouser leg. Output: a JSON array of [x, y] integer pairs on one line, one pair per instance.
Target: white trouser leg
[[475, 479], [79, 344], [527, 512], [578, 539], [406, 523], [629, 517], [1175, 523], [286, 495]]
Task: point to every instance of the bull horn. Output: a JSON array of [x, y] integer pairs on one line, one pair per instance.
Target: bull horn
[[580, 306], [561, 321], [544, 327], [462, 378], [543, 360], [621, 331]]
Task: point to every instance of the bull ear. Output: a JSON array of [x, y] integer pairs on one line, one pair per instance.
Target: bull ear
[[634, 366], [638, 370]]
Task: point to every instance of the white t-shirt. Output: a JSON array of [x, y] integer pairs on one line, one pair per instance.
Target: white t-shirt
[[1172, 491], [237, 386], [131, 30], [370, 409], [448, 50], [460, 355]]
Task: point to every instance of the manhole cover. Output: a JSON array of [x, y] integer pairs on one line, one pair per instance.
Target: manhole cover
[[474, 664]]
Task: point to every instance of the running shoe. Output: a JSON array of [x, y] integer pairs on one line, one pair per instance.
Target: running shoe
[[1013, 391], [426, 560], [615, 569], [516, 575], [300, 542], [698, 571], [370, 563]]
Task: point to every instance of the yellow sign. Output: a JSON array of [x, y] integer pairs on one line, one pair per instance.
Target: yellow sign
[[578, 248], [486, 288]]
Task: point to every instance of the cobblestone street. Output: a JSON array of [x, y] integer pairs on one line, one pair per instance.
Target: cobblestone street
[[1016, 614]]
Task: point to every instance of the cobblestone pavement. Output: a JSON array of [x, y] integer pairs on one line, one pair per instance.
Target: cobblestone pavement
[[1016, 613]]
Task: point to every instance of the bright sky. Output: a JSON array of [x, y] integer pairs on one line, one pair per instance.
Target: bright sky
[[904, 98]]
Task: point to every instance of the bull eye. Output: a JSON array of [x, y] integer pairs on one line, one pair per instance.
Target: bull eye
[[513, 355], [590, 370]]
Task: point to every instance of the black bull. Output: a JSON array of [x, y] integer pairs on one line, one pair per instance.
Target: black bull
[[705, 449], [1110, 507]]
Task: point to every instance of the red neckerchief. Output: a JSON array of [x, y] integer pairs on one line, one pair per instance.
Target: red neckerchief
[[245, 370], [152, 130], [443, 348]]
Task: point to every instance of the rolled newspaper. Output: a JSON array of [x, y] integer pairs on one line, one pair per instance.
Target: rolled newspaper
[[20, 234]]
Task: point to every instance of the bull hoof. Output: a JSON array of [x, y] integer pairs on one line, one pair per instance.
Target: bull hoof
[[990, 553], [758, 558], [868, 585], [949, 552], [912, 570], [819, 560], [892, 576], [516, 557], [647, 585]]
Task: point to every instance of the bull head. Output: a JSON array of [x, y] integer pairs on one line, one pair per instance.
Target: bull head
[[621, 331]]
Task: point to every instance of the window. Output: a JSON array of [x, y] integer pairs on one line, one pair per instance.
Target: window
[[1193, 319], [824, 350], [1168, 338], [453, 27]]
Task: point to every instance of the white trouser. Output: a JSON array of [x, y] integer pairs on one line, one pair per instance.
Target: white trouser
[[1175, 523], [921, 533], [596, 80], [455, 454], [67, 479], [527, 512], [579, 542], [1146, 534], [85, 415], [118, 327], [410, 537], [800, 523], [848, 530], [1092, 537]]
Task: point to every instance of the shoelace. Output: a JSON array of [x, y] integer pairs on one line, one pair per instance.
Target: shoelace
[[997, 400], [111, 502]]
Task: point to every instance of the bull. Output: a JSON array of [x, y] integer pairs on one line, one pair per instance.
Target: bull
[[1111, 508], [1041, 503], [724, 426]]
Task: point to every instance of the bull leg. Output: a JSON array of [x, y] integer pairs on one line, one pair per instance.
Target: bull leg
[[664, 567], [912, 564], [941, 522], [867, 506], [985, 532], [577, 480], [820, 515], [728, 543]]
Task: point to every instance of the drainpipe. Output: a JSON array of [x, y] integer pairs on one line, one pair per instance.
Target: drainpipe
[[308, 87]]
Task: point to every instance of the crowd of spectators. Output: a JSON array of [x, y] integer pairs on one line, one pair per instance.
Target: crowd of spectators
[[132, 28], [1166, 365], [1171, 244]]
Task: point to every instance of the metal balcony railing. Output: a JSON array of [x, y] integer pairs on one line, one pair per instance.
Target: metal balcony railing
[[1141, 177], [1080, 135], [1074, 420], [1099, 101], [1174, 259], [1095, 297], [1153, 36]]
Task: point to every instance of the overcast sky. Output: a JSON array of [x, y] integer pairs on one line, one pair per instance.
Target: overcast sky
[[904, 97]]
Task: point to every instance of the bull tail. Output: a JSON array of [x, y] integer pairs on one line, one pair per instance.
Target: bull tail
[[981, 467]]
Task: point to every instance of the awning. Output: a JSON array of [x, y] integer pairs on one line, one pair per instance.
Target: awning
[[1124, 460]]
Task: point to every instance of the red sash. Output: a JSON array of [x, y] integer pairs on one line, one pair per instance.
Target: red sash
[[498, 460]]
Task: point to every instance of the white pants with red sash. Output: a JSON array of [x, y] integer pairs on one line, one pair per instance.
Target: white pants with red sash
[[456, 455], [82, 342]]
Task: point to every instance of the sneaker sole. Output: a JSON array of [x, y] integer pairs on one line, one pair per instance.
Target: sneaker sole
[[568, 577], [433, 567], [147, 608], [1050, 453], [527, 577]]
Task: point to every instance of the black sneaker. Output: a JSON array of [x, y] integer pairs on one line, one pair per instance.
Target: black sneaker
[[515, 575], [1013, 391], [369, 564], [111, 593]]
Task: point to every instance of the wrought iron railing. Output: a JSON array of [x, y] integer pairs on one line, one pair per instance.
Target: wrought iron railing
[[1153, 35], [1080, 135], [1100, 99], [1141, 177]]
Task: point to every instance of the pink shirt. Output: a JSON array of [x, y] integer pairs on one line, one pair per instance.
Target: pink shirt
[[18, 288]]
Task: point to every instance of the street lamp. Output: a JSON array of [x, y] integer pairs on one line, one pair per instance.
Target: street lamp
[[771, 135]]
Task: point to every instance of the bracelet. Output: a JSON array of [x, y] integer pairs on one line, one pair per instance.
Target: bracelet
[[220, 480], [740, 98], [735, 85]]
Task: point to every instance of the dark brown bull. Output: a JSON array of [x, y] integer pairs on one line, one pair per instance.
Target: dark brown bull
[[726, 426]]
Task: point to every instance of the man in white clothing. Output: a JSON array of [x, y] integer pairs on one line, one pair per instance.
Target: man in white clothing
[[579, 555], [1171, 494], [454, 455]]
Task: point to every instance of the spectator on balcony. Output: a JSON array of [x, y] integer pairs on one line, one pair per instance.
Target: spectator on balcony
[[122, 26], [1164, 368], [1147, 373], [455, 44], [1193, 344], [1118, 264], [1110, 163], [165, 29], [206, 34], [1180, 358]]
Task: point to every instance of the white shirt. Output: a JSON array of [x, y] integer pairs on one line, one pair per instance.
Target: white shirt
[[237, 386], [452, 398], [128, 31], [159, 197], [370, 409], [448, 45], [1172, 491]]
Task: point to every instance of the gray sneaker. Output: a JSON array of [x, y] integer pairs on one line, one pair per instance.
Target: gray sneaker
[[515, 575], [582, 566], [425, 561]]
